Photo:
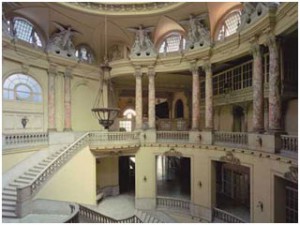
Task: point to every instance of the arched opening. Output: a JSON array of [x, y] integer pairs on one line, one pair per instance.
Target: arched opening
[[179, 109]]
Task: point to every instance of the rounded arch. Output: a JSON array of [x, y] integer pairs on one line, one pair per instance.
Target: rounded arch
[[228, 23], [26, 30], [22, 87], [85, 53], [179, 109], [164, 27]]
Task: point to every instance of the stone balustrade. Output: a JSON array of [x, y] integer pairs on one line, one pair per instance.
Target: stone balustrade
[[10, 141], [172, 136], [232, 139], [172, 203], [172, 124], [289, 143], [226, 216]]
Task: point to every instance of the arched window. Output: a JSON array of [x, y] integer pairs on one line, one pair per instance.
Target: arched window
[[129, 113], [85, 53], [22, 87], [25, 31], [229, 25], [172, 43]]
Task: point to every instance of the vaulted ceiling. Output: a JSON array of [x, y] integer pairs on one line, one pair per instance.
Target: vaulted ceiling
[[88, 18]]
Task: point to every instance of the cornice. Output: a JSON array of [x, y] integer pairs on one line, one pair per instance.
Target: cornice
[[122, 8]]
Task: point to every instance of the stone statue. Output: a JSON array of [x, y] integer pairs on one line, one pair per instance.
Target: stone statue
[[142, 43], [197, 32], [63, 37], [61, 42]]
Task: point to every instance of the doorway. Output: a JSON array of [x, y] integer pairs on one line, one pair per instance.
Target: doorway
[[127, 174]]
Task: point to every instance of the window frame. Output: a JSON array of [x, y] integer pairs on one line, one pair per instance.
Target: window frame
[[15, 80], [168, 35]]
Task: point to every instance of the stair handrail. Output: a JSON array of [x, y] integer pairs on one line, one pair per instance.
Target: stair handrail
[[98, 217], [26, 191]]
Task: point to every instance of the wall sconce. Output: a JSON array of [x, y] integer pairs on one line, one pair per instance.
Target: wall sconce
[[24, 121], [259, 141], [200, 184], [145, 179], [260, 205]]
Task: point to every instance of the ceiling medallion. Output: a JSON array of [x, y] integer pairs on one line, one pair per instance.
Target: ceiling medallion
[[230, 158]]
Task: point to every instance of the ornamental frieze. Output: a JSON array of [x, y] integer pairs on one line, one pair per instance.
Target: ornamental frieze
[[230, 158]]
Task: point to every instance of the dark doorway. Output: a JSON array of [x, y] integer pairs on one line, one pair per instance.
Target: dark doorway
[[233, 189], [162, 110], [127, 174], [286, 201], [173, 176], [179, 109]]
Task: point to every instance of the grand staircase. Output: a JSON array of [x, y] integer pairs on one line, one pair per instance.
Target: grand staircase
[[37, 175], [9, 192]]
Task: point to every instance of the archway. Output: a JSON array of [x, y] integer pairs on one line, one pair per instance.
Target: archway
[[179, 109]]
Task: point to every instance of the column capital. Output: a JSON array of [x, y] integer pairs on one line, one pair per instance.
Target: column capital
[[151, 71], [255, 50], [194, 67], [138, 71], [68, 72], [271, 40], [52, 70], [207, 66]]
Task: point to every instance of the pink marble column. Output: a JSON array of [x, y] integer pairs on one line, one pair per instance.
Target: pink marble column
[[274, 87], [67, 99], [138, 98], [258, 89], [151, 98], [195, 97], [209, 122], [51, 98]]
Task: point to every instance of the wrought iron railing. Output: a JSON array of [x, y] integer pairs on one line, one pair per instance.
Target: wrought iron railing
[[231, 138], [26, 139], [289, 143], [172, 203], [180, 136], [226, 216]]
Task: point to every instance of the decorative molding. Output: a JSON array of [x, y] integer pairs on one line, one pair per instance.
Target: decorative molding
[[137, 8], [173, 153], [292, 174], [230, 158]]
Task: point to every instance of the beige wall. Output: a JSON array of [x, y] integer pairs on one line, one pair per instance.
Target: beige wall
[[11, 159], [262, 172], [107, 171], [74, 182], [83, 96]]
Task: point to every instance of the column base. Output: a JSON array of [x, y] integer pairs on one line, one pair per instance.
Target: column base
[[52, 130], [67, 129]]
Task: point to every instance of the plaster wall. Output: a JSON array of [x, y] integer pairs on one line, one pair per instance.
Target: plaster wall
[[10, 160], [107, 172], [64, 186], [262, 172]]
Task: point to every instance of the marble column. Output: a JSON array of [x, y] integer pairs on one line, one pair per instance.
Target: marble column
[[67, 99], [258, 89], [151, 99], [209, 121], [51, 98], [195, 97], [274, 86], [138, 98]]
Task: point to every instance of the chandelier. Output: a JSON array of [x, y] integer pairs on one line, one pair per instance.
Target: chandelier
[[101, 110]]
